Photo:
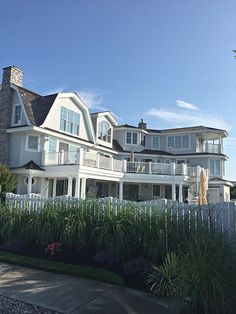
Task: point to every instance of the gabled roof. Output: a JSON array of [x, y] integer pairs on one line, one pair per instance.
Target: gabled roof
[[37, 107], [31, 165]]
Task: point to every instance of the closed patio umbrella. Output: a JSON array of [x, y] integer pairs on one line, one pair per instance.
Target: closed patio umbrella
[[202, 195]]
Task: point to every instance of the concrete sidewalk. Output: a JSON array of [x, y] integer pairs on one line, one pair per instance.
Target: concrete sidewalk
[[66, 294]]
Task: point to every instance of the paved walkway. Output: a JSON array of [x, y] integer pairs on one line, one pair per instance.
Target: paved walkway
[[66, 294]]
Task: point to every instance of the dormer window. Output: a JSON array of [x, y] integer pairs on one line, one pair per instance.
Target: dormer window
[[69, 121], [17, 114], [132, 138], [104, 131]]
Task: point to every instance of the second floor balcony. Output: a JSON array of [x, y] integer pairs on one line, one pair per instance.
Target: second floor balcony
[[93, 160]]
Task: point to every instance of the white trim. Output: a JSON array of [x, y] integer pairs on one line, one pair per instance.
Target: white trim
[[22, 103], [79, 103], [138, 138], [13, 114], [27, 143], [60, 135]]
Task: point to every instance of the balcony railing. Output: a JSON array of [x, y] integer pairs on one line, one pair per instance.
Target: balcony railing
[[93, 160], [209, 148]]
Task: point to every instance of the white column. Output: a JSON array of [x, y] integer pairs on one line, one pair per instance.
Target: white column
[[80, 155], [173, 192], [112, 167], [172, 167], [77, 187], [69, 188], [62, 157], [150, 167], [54, 191], [125, 165], [29, 185], [121, 191], [180, 192], [43, 157], [98, 160], [83, 188]]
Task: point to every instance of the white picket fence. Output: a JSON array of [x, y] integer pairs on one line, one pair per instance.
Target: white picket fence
[[222, 215]]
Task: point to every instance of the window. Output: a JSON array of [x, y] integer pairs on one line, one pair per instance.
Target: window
[[156, 191], [33, 143], [178, 142], [156, 142], [171, 142], [143, 139], [17, 114], [132, 138], [52, 147], [69, 121], [215, 168], [104, 132]]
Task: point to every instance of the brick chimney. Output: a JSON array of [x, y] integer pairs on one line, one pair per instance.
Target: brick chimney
[[11, 75], [142, 125]]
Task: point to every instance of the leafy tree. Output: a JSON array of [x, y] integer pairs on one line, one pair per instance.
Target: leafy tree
[[7, 181], [233, 193]]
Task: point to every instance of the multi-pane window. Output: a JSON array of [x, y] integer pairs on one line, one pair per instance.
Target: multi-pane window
[[52, 147], [104, 131], [69, 121], [17, 114], [156, 142], [215, 167], [132, 138], [33, 142], [178, 142]]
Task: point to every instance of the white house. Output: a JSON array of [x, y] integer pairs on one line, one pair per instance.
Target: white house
[[56, 146]]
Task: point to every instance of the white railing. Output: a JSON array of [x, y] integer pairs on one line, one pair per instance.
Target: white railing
[[161, 168], [209, 148], [94, 160], [137, 167]]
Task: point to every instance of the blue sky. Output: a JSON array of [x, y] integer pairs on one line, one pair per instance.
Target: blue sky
[[169, 62]]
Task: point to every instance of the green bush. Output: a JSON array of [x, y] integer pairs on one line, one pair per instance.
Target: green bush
[[203, 272], [7, 180]]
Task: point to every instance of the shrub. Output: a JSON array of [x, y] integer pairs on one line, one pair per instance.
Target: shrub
[[204, 273], [15, 246], [7, 180], [107, 258], [163, 279], [53, 249], [137, 267]]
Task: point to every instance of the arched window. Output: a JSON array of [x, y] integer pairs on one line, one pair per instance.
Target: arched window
[[104, 131]]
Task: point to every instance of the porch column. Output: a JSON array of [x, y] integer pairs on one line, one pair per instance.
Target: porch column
[[54, 190], [173, 192], [29, 185], [83, 188], [69, 189], [180, 192], [121, 191], [77, 187]]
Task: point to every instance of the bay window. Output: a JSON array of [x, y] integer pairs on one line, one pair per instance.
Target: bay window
[[32, 143], [215, 167]]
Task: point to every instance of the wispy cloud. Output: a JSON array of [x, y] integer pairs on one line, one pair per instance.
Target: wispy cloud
[[186, 105], [183, 117], [57, 89], [230, 141], [93, 99]]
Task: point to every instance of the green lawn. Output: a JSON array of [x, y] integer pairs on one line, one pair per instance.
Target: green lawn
[[63, 268]]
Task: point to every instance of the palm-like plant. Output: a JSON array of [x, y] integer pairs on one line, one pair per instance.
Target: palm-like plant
[[7, 180], [163, 279]]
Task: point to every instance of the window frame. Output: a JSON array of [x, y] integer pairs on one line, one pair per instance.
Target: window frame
[[132, 138], [156, 136], [106, 136], [215, 168], [69, 121], [27, 143], [14, 114], [181, 142]]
